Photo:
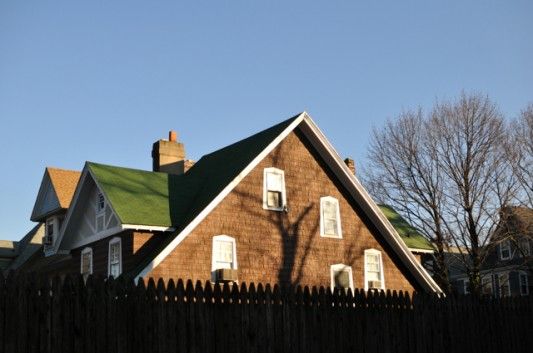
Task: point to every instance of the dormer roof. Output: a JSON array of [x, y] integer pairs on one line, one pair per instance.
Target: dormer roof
[[55, 193]]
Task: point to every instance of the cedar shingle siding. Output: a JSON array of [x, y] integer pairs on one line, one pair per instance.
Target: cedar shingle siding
[[279, 247]]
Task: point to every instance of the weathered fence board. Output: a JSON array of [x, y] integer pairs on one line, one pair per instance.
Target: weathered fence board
[[99, 315]]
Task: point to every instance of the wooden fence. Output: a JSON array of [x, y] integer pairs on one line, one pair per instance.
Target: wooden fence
[[37, 315]]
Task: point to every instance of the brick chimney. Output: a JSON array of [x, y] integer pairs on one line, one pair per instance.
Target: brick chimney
[[351, 165], [168, 156]]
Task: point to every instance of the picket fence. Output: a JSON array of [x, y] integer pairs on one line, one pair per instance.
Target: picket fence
[[99, 315]]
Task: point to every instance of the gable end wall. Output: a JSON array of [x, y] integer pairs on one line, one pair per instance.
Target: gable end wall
[[278, 247]]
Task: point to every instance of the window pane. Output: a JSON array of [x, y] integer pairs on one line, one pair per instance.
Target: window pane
[[86, 263], [330, 227], [330, 210], [342, 279], [274, 182], [114, 253], [274, 199], [224, 252], [486, 286]]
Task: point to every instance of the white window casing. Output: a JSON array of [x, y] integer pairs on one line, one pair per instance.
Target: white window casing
[[523, 283], [374, 277], [525, 248], [224, 253], [114, 262], [100, 206], [338, 273], [330, 218], [486, 285], [274, 193], [505, 250], [504, 287], [466, 287], [86, 261]]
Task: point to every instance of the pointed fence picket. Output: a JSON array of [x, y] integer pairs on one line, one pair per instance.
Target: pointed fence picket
[[73, 314]]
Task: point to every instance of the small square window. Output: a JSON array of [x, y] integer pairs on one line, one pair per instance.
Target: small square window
[[341, 277]]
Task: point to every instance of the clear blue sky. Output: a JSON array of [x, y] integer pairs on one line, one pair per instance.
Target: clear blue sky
[[102, 80]]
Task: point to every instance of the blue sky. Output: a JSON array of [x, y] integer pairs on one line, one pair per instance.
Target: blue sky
[[102, 80]]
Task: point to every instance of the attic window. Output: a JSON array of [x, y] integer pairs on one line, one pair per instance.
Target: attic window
[[100, 203], [374, 270], [505, 250], [274, 197], [330, 220]]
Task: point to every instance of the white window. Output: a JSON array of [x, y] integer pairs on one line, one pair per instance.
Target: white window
[[100, 212], [87, 262], [341, 277], [374, 270], [224, 253], [100, 203], [330, 219], [486, 285], [505, 250], [466, 287], [50, 225], [503, 283], [274, 197], [115, 258], [523, 282]]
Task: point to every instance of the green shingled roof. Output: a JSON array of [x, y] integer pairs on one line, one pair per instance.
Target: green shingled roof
[[159, 199], [410, 235]]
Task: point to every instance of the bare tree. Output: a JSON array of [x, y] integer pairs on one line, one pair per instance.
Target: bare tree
[[447, 172], [404, 173], [520, 149]]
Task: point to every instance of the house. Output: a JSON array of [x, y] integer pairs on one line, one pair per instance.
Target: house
[[508, 266], [415, 241], [13, 254], [280, 206]]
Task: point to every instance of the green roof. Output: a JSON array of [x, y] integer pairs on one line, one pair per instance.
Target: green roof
[[410, 235], [160, 199]]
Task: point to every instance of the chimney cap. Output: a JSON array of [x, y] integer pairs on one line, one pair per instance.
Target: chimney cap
[[172, 136]]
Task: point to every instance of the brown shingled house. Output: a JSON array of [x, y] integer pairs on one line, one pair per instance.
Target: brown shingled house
[[277, 207]]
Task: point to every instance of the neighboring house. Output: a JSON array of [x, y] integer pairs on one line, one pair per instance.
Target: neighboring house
[[416, 242], [507, 269], [13, 254], [277, 207]]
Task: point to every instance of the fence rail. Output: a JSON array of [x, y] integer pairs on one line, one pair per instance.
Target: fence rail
[[71, 315]]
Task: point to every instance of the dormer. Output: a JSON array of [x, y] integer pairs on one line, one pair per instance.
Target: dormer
[[53, 200]]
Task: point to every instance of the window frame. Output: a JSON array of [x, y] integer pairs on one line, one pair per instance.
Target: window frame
[[382, 275], [490, 281], [500, 275], [116, 240], [226, 238], [466, 287], [272, 170], [323, 200], [85, 251], [526, 284], [337, 268], [507, 244]]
